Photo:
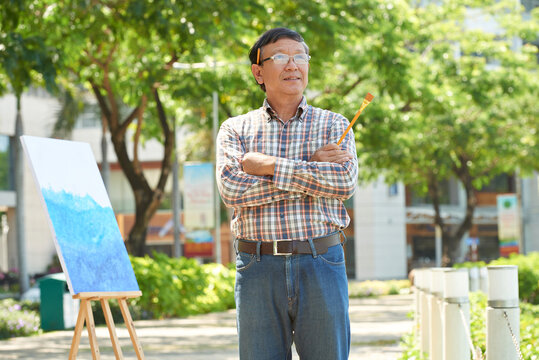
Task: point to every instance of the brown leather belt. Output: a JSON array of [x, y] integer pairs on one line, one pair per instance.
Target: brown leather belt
[[289, 247]]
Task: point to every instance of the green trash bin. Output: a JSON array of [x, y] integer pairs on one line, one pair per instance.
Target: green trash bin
[[58, 309]]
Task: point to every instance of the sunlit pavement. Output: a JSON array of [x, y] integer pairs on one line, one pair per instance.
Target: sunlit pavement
[[377, 326]]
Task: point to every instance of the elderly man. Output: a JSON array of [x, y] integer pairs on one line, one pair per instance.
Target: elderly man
[[280, 169]]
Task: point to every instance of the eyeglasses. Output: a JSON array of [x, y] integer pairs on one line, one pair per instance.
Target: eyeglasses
[[283, 59]]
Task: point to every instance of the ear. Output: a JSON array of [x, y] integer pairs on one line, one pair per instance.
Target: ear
[[257, 73]]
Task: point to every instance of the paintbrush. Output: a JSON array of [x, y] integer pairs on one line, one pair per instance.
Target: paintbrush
[[366, 102]]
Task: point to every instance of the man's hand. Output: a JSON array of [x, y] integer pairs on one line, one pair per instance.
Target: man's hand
[[331, 153], [255, 163]]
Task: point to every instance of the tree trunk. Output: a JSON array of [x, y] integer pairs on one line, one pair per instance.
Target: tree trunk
[[147, 200], [136, 243], [451, 240]]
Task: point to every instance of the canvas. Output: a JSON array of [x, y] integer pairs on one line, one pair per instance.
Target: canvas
[[86, 235]]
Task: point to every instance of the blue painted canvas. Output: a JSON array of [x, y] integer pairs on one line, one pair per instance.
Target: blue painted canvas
[[85, 231]]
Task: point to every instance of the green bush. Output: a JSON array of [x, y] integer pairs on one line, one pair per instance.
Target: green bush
[[470, 264], [173, 287], [134, 310], [18, 319], [371, 288]]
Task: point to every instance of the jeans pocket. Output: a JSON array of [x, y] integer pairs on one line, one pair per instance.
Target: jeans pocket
[[334, 255], [244, 261]]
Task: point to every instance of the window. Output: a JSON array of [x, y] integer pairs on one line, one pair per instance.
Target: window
[[6, 173], [500, 184], [393, 189]]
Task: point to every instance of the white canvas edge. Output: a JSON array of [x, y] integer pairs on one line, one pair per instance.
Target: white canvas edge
[[44, 205]]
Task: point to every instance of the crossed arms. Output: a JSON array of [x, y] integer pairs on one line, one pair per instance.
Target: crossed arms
[[252, 179]]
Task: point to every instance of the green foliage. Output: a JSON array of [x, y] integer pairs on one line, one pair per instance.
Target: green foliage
[[451, 100], [18, 319], [529, 330], [478, 321], [180, 287], [373, 288], [470, 264], [136, 312], [410, 348], [25, 58]]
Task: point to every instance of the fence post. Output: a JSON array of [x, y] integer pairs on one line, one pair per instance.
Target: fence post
[[435, 307], [424, 328], [483, 279], [417, 295], [455, 342], [503, 313], [474, 279]]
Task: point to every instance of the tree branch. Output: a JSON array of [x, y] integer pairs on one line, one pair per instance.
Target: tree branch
[[128, 120], [352, 87], [169, 146], [136, 138], [170, 63], [100, 100]]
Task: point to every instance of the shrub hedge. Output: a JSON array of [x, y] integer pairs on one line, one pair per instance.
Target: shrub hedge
[[18, 319], [175, 287]]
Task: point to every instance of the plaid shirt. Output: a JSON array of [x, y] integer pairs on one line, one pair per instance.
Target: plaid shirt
[[302, 199]]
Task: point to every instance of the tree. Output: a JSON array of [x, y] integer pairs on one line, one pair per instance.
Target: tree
[[434, 116], [124, 52], [24, 60], [452, 100]]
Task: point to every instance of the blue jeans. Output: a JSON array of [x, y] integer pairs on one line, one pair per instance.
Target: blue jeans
[[298, 298]]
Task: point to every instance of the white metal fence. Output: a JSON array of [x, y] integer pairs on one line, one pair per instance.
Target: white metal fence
[[442, 310]]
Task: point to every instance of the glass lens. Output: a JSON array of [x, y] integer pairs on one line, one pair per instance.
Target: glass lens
[[301, 59], [282, 59]]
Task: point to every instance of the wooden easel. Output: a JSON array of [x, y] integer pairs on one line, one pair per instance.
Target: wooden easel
[[85, 314]]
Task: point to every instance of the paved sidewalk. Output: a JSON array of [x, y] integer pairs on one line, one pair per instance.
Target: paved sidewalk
[[376, 324]]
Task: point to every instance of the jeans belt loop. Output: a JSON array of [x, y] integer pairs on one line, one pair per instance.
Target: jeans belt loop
[[313, 248], [344, 237], [258, 244]]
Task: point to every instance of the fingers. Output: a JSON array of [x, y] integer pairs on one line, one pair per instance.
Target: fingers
[[331, 153], [339, 157]]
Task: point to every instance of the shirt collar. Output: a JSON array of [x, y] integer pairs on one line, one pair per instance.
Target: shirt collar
[[300, 112]]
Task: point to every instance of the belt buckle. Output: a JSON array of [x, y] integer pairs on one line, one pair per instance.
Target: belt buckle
[[276, 250]]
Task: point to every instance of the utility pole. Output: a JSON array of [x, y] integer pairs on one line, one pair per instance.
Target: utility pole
[[216, 192], [176, 197], [19, 187]]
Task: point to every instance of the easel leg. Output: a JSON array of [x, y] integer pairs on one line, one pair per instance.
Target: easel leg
[[78, 331], [90, 325], [131, 328], [112, 329]]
